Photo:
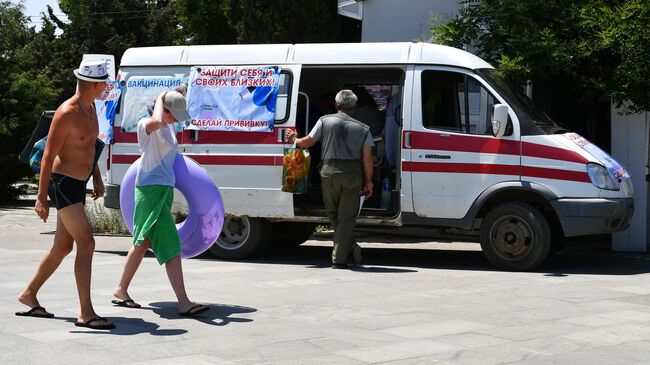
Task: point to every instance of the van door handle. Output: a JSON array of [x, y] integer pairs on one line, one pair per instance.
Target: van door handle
[[438, 157], [407, 139], [281, 135]]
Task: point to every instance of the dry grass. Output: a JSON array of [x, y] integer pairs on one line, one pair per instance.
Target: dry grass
[[105, 220]]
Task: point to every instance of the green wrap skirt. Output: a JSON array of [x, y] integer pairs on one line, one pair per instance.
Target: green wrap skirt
[[152, 219]]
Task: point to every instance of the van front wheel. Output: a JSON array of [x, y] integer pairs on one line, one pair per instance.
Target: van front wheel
[[515, 236], [241, 237]]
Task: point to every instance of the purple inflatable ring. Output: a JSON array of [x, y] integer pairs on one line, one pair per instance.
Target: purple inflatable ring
[[203, 224]]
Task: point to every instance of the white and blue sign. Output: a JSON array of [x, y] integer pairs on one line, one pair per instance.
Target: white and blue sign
[[140, 95], [105, 107], [241, 98]]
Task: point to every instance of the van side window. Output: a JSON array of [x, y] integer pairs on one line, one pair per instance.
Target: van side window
[[455, 102], [282, 101]]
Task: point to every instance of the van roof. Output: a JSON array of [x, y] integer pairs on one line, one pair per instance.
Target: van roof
[[305, 54]]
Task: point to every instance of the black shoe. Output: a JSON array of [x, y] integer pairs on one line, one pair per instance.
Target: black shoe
[[340, 266], [356, 255], [354, 258]]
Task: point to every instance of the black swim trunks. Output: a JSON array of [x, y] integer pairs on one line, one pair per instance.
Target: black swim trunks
[[64, 191]]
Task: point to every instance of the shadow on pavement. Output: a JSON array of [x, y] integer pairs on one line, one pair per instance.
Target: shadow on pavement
[[218, 315], [126, 327], [582, 257], [9, 205], [592, 262], [376, 260], [363, 268]]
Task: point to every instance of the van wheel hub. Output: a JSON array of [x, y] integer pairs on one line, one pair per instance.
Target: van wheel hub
[[235, 232], [512, 237], [235, 226]]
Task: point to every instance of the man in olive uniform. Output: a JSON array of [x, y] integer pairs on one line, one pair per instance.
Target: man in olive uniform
[[346, 172]]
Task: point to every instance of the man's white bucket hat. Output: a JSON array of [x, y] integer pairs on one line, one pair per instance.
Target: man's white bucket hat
[[92, 71]]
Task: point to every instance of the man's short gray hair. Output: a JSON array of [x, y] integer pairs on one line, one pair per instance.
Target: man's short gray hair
[[345, 100]]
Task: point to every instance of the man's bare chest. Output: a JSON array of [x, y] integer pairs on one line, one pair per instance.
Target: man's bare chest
[[83, 133]]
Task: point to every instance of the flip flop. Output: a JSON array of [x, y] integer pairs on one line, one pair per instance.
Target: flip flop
[[127, 303], [37, 311], [195, 310], [89, 324]]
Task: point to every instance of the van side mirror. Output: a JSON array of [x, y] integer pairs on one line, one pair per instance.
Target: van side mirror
[[499, 120]]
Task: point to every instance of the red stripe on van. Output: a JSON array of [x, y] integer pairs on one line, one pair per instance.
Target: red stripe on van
[[215, 160], [124, 159], [122, 137], [555, 174], [494, 169], [463, 143], [209, 137], [485, 144], [463, 168], [554, 153], [108, 157], [237, 160]]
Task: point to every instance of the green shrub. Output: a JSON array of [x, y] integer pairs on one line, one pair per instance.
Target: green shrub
[[323, 228]]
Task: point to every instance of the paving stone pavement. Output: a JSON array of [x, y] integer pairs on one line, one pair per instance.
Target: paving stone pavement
[[414, 302]]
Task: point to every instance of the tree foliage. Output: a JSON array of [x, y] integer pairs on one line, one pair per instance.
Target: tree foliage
[[601, 47], [26, 89], [262, 21], [631, 80], [109, 27], [36, 65], [203, 22]]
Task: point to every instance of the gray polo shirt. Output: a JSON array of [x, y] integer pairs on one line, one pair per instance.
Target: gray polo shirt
[[343, 139]]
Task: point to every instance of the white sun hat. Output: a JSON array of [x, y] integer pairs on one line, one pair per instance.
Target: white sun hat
[[92, 71]]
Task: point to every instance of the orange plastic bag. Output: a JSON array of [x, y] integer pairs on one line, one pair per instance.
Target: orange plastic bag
[[295, 171]]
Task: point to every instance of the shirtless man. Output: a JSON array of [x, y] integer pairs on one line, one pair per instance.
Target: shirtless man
[[66, 165]]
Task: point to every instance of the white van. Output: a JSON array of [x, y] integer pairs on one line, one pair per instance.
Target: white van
[[471, 154]]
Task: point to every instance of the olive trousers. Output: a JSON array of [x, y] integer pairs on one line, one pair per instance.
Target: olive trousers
[[341, 192]]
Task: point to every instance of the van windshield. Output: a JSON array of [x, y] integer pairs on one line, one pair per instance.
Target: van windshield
[[532, 119]]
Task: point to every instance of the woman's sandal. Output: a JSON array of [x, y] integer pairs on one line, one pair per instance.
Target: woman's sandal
[[127, 303], [89, 324]]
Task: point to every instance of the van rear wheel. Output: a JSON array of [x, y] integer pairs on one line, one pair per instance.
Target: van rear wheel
[[241, 237], [515, 236], [291, 234]]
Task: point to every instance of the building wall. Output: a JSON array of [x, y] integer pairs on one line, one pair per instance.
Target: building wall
[[404, 20], [630, 142]]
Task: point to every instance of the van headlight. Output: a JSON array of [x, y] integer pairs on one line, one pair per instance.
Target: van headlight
[[601, 178]]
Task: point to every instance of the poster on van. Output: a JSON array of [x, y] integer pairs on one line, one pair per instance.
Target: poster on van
[[233, 98], [139, 96], [105, 106]]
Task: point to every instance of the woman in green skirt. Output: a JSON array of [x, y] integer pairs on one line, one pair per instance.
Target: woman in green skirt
[[153, 225]]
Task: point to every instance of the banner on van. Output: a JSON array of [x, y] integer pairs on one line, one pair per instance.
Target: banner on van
[[105, 106], [240, 98], [139, 96]]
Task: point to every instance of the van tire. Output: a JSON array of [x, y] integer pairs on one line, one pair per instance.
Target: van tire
[[515, 236], [291, 234], [241, 237]]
